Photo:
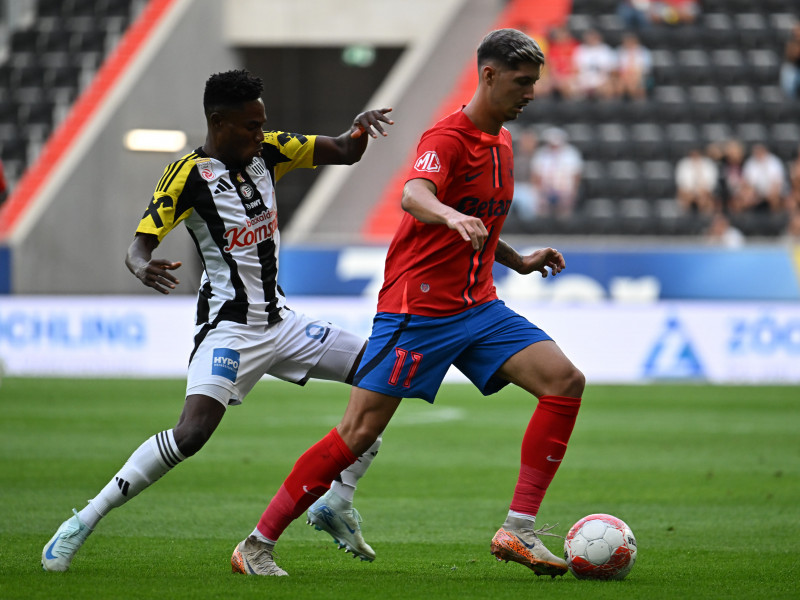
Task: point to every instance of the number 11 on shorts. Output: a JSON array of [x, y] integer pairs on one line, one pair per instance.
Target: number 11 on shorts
[[399, 364]]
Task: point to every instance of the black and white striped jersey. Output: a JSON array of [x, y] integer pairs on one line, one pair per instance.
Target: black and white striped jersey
[[232, 217]]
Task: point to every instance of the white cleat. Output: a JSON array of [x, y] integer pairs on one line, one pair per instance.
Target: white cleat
[[254, 557], [62, 547], [336, 516]]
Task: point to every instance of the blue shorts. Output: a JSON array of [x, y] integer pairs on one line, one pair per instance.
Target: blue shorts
[[408, 355]]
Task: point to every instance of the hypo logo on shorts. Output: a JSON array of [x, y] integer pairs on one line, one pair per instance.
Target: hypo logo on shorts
[[225, 363]]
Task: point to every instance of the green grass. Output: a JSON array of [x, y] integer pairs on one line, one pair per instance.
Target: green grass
[[707, 477]]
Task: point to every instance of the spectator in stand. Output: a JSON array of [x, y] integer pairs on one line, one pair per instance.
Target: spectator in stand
[[595, 67], [525, 201], [721, 232], [634, 66], [696, 180], [790, 66], [764, 182], [557, 168], [675, 12], [792, 200], [635, 14], [558, 74], [731, 174]]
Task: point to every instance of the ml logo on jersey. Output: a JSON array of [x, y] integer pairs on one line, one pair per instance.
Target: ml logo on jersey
[[428, 162], [225, 363], [255, 230], [673, 355]]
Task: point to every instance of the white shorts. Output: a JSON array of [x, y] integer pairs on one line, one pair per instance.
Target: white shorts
[[230, 359]]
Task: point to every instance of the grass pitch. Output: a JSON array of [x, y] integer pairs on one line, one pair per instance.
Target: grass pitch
[[707, 477]]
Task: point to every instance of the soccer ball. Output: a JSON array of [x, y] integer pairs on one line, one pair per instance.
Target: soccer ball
[[600, 547]]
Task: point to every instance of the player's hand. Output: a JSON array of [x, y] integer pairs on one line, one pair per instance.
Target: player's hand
[[541, 260], [370, 121], [156, 274], [471, 229]]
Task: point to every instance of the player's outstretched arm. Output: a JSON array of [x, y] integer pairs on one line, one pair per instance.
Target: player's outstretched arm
[[349, 147], [420, 201], [539, 260], [153, 272]]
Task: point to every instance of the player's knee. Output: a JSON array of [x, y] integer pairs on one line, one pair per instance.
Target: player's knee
[[574, 383]]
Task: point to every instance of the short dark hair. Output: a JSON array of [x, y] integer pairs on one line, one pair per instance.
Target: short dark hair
[[231, 89], [509, 47]]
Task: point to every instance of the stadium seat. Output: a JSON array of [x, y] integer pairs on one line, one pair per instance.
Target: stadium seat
[[753, 29], [592, 178], [56, 41], [694, 67], [706, 102], [728, 66], [719, 30], [31, 76], [764, 66], [716, 132], [64, 76], [752, 133], [646, 140], [9, 111], [658, 178], [86, 8], [39, 112], [53, 8], [782, 23], [741, 102], [681, 137], [25, 40], [623, 179], [784, 139]]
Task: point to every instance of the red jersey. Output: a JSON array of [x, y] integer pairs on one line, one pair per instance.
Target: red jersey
[[430, 269]]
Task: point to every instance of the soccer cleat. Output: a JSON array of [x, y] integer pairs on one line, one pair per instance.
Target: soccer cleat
[[254, 557], [517, 540], [333, 514], [60, 550]]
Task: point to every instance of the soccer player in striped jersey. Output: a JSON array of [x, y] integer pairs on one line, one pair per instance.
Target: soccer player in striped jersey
[[224, 192], [438, 307]]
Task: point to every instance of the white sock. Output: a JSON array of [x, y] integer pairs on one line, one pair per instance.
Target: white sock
[[262, 538], [148, 463], [350, 476], [512, 514]]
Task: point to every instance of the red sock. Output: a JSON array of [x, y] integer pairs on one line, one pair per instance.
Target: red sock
[[543, 448], [310, 478]]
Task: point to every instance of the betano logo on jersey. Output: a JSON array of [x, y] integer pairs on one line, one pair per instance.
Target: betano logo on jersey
[[261, 227], [428, 162]]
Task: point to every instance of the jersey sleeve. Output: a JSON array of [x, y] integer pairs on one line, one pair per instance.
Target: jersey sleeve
[[436, 159], [285, 152], [167, 207]]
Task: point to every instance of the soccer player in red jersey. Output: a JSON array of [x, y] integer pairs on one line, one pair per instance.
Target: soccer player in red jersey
[[438, 307]]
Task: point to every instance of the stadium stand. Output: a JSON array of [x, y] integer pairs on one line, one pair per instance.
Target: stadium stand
[[47, 64], [713, 80]]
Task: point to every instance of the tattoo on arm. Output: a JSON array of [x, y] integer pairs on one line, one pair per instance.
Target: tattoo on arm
[[507, 256]]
